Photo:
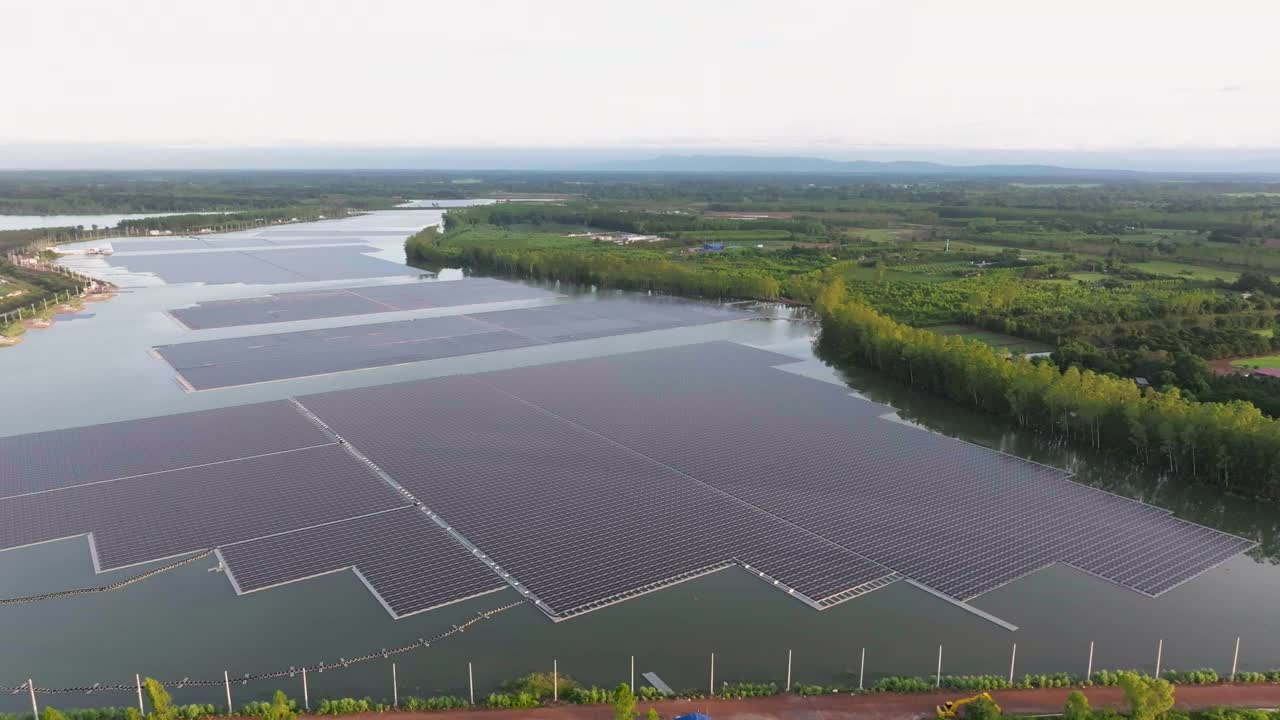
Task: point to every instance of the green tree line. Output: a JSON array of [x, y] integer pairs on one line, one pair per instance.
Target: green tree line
[[1231, 445]]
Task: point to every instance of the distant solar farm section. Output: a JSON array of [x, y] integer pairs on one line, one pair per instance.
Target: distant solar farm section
[[582, 484], [269, 265], [252, 359], [347, 302]]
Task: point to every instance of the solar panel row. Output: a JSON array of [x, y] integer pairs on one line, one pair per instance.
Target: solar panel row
[[314, 304], [221, 242], [261, 358], [65, 458], [267, 266], [404, 557], [180, 511]]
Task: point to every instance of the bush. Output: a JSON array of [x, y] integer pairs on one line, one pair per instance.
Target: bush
[[1204, 676], [900, 683], [346, 706], [747, 690], [441, 702], [512, 701], [540, 685], [586, 696]]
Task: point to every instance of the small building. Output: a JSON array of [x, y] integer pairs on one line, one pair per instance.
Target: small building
[[713, 247]]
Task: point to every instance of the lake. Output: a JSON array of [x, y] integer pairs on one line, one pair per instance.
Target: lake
[[190, 623]]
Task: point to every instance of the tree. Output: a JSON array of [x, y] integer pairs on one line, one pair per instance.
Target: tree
[[1149, 698], [1077, 707], [624, 703], [653, 715], [280, 708], [161, 704], [49, 713]]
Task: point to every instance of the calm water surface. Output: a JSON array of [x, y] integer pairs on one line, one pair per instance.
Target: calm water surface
[[189, 623]]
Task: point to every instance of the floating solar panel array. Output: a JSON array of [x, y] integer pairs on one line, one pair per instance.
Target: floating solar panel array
[[261, 358], [257, 480], [267, 266], [223, 242], [315, 304], [583, 484], [63, 458]]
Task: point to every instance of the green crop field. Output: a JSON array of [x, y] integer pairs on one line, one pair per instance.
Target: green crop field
[[937, 268], [1254, 363], [994, 339], [1185, 270]]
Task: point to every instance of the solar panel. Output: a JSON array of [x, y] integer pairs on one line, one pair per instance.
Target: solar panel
[[262, 358], [404, 557], [314, 304], [179, 511], [63, 458]]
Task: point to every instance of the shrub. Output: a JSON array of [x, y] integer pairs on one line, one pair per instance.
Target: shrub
[[747, 690], [441, 702], [540, 685], [1149, 698], [586, 696], [1077, 707], [512, 701], [624, 703], [1205, 676], [899, 683]]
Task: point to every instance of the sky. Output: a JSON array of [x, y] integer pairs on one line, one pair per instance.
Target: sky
[[838, 79]]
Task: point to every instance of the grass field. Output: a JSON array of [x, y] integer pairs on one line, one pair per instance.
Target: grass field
[[1262, 361], [489, 236], [870, 274], [1184, 270], [1088, 276], [994, 339], [937, 268], [746, 236]]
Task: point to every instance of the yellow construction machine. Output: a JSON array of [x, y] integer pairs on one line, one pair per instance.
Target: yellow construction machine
[[951, 709]]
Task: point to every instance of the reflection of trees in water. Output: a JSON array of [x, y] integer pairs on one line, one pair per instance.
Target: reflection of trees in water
[[1255, 519]]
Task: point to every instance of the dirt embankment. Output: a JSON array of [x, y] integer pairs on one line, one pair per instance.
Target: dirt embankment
[[876, 706]]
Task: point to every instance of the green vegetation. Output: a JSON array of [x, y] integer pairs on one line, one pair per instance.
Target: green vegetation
[[1268, 361], [1149, 698], [1194, 272], [624, 703], [1230, 445], [1146, 695]]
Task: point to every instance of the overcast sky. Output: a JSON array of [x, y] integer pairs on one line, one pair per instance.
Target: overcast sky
[[786, 75]]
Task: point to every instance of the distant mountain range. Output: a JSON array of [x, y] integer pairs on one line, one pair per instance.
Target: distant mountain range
[[823, 166]]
